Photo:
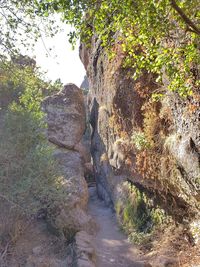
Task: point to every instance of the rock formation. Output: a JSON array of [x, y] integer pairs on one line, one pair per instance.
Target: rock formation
[[120, 109], [65, 117], [66, 120]]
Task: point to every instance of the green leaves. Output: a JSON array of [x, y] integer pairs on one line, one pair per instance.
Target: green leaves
[[22, 85], [28, 173], [153, 34], [140, 141]]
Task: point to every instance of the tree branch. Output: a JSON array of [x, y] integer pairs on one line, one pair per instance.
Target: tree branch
[[185, 17]]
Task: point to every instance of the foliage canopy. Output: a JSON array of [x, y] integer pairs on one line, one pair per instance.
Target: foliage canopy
[[156, 35]]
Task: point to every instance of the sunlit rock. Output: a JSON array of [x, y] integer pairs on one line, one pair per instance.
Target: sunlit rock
[[65, 116]]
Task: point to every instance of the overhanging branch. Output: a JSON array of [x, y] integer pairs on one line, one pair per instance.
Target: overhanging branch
[[187, 20]]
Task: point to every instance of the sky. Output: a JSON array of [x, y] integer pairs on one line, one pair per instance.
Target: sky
[[63, 62]]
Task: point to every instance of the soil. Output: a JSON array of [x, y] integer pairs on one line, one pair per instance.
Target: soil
[[111, 245], [113, 248]]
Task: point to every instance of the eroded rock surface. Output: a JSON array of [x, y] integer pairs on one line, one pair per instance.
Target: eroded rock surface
[[121, 107], [66, 121], [65, 116]]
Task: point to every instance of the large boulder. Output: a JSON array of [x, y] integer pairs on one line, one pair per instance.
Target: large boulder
[[74, 219], [72, 169], [65, 116], [70, 162], [66, 121], [73, 216]]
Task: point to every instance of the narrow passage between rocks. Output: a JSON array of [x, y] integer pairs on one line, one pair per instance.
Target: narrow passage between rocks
[[111, 245]]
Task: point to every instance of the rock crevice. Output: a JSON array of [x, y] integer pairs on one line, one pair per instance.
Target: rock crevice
[[123, 116]]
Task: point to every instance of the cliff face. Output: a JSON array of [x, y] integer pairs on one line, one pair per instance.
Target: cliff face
[[154, 145]]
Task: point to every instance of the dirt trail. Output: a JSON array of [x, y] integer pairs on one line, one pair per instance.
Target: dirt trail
[[112, 246]]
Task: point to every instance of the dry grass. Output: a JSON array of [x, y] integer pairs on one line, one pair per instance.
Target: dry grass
[[13, 223]]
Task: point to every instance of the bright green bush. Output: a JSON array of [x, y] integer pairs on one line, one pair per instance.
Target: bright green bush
[[137, 214]]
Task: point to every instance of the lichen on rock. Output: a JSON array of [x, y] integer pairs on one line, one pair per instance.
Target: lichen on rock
[[152, 143], [65, 116], [66, 122]]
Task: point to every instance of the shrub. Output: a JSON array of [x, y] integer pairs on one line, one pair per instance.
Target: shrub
[[140, 238], [28, 173], [140, 141], [12, 225], [30, 182], [29, 176], [137, 214]]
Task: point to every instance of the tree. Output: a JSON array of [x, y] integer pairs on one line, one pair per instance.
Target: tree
[[156, 35], [20, 26], [21, 81]]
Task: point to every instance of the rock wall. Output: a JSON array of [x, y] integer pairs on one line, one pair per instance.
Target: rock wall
[[66, 122], [120, 110]]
